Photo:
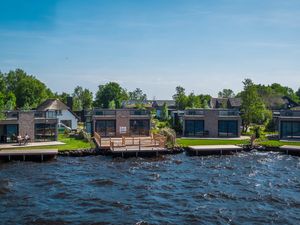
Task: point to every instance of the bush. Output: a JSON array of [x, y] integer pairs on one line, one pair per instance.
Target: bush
[[170, 135]]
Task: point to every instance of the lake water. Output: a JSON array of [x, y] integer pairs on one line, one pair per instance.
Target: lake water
[[246, 188]]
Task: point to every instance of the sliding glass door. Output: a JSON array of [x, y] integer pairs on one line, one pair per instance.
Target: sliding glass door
[[228, 128], [290, 129], [139, 127], [194, 128], [106, 128]]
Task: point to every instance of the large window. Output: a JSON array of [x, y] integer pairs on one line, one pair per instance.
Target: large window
[[106, 128], [45, 132], [194, 128], [290, 129], [68, 123], [139, 127], [9, 133], [228, 128]]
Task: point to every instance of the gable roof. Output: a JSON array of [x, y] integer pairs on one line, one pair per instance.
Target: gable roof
[[159, 103], [225, 102], [52, 104], [133, 103], [235, 102]]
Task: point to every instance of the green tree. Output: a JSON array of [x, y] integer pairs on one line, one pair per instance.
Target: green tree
[[298, 93], [137, 95], [165, 112], [111, 91], [253, 108], [180, 98], [193, 101], [62, 97], [82, 99], [27, 89], [10, 101], [112, 105], [226, 93]]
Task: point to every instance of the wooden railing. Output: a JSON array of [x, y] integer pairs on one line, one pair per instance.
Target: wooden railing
[[155, 140]]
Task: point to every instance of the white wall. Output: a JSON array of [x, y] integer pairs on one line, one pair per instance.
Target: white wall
[[67, 115]]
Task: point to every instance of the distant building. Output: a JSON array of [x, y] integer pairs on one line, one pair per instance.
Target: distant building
[[40, 126], [289, 124], [64, 114], [159, 104], [228, 103], [121, 122], [224, 123]]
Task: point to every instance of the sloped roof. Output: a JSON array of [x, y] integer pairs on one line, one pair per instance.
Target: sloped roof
[[235, 102], [217, 102], [133, 103], [52, 104], [159, 103]]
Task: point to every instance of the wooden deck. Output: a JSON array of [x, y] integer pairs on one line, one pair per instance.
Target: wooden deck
[[28, 155], [291, 150], [132, 146], [213, 149]]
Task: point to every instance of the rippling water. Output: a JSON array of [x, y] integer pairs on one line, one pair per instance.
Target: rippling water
[[249, 188]]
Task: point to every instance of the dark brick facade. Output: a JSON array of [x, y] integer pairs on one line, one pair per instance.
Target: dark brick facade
[[211, 118], [122, 119]]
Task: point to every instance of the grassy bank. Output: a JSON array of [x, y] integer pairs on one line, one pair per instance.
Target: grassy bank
[[184, 142], [70, 144], [276, 144]]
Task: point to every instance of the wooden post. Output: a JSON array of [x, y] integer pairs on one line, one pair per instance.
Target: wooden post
[[123, 140], [139, 144]]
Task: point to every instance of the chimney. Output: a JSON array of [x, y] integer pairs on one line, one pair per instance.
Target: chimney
[[70, 102]]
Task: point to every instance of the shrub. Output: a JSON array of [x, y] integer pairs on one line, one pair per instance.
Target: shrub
[[170, 135]]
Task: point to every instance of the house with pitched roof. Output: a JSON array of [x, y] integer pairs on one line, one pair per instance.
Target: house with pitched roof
[[66, 117]]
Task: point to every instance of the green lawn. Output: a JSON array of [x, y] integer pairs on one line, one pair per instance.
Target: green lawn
[[70, 144], [184, 142], [274, 143]]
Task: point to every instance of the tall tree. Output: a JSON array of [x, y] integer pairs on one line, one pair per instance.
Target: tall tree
[[164, 112], [253, 108], [226, 93], [62, 97], [111, 91], [193, 101], [180, 98], [10, 101], [298, 93], [82, 99], [28, 90], [137, 95]]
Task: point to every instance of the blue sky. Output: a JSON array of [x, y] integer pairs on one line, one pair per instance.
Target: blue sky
[[202, 45]]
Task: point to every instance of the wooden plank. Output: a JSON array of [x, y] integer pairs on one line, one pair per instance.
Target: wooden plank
[[29, 152]]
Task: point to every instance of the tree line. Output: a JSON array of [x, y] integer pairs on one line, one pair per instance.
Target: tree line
[[18, 90]]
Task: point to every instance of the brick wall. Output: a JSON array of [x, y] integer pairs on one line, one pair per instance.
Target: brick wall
[[26, 124], [211, 121], [122, 121]]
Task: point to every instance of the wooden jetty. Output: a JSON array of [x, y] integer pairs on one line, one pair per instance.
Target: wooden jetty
[[213, 150], [291, 150], [132, 146], [28, 155]]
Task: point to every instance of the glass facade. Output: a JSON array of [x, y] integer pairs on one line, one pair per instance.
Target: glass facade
[[139, 127], [228, 128], [106, 128], [290, 129], [45, 132], [194, 128], [9, 133]]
